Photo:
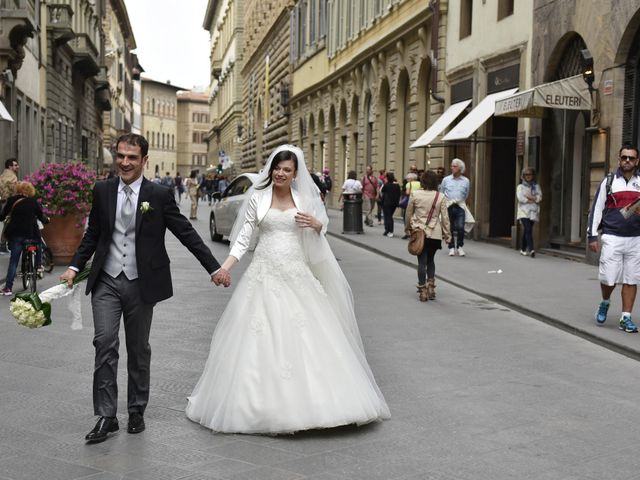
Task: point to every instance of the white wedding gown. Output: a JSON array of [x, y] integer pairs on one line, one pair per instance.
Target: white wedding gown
[[280, 360]]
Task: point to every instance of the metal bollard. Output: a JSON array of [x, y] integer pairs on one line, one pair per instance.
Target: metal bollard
[[352, 213]]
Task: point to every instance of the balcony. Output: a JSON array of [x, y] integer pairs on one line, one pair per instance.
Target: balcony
[[216, 68], [59, 23], [20, 12], [85, 55], [17, 22], [103, 95]]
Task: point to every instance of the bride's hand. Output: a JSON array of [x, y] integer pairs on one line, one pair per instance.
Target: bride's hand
[[306, 220]]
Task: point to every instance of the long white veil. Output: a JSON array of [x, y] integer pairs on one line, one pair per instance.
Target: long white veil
[[321, 259]]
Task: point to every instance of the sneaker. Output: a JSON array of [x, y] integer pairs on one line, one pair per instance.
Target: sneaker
[[601, 314], [532, 253], [404, 237], [6, 291], [390, 235], [461, 252], [522, 252], [627, 324], [452, 252]]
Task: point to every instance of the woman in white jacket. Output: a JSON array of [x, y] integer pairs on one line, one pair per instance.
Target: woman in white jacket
[[529, 196], [286, 354]]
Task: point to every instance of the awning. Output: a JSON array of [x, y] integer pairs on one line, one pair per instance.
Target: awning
[[107, 157], [477, 116], [570, 93], [449, 115], [4, 113]]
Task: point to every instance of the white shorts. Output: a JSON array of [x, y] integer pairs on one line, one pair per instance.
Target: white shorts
[[619, 260]]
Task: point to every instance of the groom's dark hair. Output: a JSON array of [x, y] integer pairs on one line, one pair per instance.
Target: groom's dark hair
[[135, 140]]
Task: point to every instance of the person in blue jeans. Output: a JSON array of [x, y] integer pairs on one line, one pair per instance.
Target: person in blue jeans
[[23, 210], [456, 188]]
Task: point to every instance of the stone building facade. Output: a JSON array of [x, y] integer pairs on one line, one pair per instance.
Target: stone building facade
[[193, 125], [160, 126], [22, 127], [365, 83], [120, 72], [577, 148], [76, 82], [224, 20], [489, 47], [266, 80]]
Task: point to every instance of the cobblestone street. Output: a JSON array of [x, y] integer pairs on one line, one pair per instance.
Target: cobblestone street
[[476, 391]]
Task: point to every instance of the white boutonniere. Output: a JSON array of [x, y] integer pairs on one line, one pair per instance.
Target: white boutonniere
[[145, 207]]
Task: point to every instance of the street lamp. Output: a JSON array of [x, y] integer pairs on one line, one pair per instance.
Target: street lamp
[[587, 68]]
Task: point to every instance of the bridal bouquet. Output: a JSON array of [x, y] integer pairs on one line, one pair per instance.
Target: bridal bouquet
[[33, 310]]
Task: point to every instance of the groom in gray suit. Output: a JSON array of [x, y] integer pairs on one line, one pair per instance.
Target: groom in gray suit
[[129, 275]]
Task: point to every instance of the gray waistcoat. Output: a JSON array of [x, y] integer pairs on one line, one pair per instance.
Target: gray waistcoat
[[122, 251]]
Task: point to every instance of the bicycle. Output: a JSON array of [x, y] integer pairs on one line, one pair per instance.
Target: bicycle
[[47, 259], [29, 269]]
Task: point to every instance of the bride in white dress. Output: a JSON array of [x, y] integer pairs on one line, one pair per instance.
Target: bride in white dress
[[286, 354]]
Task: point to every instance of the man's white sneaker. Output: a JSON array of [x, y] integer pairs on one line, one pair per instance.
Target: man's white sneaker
[[522, 252], [461, 252], [390, 235], [452, 252]]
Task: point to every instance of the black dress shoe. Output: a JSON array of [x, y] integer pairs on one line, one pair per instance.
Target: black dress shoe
[[136, 423], [103, 428]]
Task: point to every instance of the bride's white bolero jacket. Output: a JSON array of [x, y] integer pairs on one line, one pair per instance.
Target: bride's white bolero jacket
[[259, 205]]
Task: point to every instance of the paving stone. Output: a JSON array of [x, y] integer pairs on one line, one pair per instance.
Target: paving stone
[[33, 466]]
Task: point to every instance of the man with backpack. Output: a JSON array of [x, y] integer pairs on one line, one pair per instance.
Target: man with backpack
[[615, 213]]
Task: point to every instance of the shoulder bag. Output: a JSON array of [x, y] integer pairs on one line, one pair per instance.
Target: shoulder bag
[[417, 235]]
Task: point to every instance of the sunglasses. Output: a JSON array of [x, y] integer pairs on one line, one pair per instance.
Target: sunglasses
[[628, 157]]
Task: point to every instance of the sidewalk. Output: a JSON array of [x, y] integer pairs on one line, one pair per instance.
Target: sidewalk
[[557, 291]]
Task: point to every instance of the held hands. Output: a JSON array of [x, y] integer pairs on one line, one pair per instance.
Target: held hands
[[222, 277], [68, 277], [305, 220]]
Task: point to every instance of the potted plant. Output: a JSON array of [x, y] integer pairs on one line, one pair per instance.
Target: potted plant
[[65, 191]]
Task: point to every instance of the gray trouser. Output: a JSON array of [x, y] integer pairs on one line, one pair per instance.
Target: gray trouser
[[112, 299], [368, 204]]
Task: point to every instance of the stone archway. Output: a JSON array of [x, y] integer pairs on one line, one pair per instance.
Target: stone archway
[[423, 111], [384, 127], [403, 124]]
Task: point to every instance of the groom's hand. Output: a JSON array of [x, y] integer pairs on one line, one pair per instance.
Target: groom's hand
[[222, 277], [68, 277]]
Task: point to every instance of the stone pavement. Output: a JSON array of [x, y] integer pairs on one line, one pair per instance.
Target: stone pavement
[[561, 292], [477, 391]]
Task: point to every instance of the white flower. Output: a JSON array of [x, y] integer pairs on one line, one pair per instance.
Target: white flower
[[145, 207], [26, 315]]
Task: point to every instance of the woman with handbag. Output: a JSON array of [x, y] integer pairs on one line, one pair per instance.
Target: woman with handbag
[[427, 221], [19, 215]]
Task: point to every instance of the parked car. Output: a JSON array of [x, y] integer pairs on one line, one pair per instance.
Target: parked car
[[225, 208]]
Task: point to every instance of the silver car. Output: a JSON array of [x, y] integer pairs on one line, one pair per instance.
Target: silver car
[[225, 209]]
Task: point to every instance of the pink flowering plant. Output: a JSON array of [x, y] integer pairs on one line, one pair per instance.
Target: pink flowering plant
[[64, 188]]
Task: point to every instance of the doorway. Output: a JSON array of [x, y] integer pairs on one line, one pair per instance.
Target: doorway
[[502, 191]]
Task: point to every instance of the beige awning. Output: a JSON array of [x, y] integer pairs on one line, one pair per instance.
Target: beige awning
[[440, 124], [476, 117], [4, 113], [569, 93]]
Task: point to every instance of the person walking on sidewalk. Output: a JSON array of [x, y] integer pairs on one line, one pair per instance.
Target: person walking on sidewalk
[[529, 197], [369, 194], [390, 199], [129, 274], [456, 188], [615, 213], [193, 186], [8, 181], [427, 211]]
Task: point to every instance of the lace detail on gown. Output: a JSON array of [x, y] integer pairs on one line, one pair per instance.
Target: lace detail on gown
[[278, 256]]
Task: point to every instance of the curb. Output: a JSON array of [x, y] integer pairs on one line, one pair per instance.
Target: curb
[[554, 322]]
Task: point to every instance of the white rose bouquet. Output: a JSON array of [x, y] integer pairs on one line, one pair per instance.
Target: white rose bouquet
[[33, 310]]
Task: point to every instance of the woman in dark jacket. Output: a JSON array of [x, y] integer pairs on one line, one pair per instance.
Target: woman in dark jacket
[[390, 200], [24, 210]]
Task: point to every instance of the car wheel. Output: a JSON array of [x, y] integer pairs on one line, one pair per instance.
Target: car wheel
[[215, 236]]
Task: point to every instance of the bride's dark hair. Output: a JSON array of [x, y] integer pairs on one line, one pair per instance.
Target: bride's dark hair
[[280, 157]]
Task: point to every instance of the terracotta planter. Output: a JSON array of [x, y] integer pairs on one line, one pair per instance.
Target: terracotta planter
[[63, 237]]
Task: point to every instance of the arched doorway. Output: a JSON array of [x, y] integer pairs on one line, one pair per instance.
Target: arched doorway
[[383, 127], [422, 115], [403, 119], [564, 168]]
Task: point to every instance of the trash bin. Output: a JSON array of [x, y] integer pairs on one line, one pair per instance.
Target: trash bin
[[352, 213]]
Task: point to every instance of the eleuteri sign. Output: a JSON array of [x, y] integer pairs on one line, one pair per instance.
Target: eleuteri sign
[[569, 93]]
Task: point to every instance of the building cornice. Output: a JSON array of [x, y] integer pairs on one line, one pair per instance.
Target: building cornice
[[125, 24]]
